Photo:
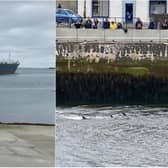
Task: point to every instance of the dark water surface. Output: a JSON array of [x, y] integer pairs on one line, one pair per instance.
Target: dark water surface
[[112, 136], [28, 96]]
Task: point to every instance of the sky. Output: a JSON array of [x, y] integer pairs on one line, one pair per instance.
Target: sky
[[27, 31]]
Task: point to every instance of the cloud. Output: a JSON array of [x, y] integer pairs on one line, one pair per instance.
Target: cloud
[[27, 29]]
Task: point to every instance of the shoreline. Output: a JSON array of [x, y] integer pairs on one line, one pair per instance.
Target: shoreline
[[31, 124], [27, 145]]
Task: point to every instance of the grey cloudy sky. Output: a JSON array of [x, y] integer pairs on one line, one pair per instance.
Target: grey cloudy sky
[[27, 30]]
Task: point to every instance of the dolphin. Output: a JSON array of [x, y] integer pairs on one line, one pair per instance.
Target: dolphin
[[83, 117], [124, 114]]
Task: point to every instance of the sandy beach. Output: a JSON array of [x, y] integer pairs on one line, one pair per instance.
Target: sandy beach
[[27, 145]]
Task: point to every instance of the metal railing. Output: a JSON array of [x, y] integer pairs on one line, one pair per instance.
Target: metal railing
[[122, 20]]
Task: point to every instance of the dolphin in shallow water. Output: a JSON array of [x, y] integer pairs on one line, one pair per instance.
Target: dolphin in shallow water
[[83, 117], [124, 114]]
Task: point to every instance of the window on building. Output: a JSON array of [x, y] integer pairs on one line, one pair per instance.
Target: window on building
[[157, 7], [100, 8]]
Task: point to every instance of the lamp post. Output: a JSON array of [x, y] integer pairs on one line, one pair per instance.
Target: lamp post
[[76, 6]]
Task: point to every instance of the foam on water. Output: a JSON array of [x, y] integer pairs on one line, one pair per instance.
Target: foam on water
[[108, 112], [72, 117]]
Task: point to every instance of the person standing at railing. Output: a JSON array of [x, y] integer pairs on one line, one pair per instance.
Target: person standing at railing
[[88, 24], [59, 6], [95, 23], [113, 26], [119, 26], [151, 25], [78, 24], [164, 24], [138, 24], [106, 24], [100, 24]]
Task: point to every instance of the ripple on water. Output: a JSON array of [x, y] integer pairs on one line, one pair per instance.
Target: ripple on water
[[112, 136]]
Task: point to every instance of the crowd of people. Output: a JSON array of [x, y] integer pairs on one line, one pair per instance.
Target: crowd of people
[[164, 24], [106, 24], [160, 25], [96, 24]]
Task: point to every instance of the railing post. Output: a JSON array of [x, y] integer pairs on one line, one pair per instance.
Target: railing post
[[77, 35], [104, 35], [132, 35], [159, 35]]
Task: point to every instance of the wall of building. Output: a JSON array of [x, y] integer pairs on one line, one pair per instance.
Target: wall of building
[[88, 8], [142, 9], [68, 4], [117, 8], [81, 7]]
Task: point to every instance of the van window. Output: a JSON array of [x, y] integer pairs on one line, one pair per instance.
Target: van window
[[60, 11]]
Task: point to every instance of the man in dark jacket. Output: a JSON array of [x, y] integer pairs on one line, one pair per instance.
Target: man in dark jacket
[[88, 24], [59, 6], [151, 25], [106, 24]]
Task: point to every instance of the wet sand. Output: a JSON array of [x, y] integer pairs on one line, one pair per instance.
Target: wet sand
[[27, 145]]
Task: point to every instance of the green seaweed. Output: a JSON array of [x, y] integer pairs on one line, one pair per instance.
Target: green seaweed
[[135, 68]]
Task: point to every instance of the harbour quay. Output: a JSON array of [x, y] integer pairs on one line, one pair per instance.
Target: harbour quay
[[106, 35], [111, 45], [111, 67]]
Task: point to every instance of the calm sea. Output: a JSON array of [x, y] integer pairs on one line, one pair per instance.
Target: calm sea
[[28, 96], [111, 136]]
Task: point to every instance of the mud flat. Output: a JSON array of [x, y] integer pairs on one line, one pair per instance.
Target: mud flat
[[27, 145]]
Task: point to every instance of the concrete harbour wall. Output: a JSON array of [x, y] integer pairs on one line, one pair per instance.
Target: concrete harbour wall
[[112, 86], [102, 35], [108, 88]]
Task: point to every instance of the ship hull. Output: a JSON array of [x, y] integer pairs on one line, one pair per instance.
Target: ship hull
[[8, 68]]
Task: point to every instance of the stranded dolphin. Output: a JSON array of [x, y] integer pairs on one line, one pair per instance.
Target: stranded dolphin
[[83, 117]]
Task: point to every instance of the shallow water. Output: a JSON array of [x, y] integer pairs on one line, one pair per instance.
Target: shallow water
[[28, 96], [112, 136]]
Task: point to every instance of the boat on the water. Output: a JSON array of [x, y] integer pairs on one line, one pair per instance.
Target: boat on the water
[[51, 68], [8, 67]]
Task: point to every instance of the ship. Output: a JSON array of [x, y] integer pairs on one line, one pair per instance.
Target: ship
[[8, 67]]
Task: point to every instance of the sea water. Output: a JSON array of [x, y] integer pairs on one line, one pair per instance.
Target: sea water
[[28, 96], [111, 136]]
